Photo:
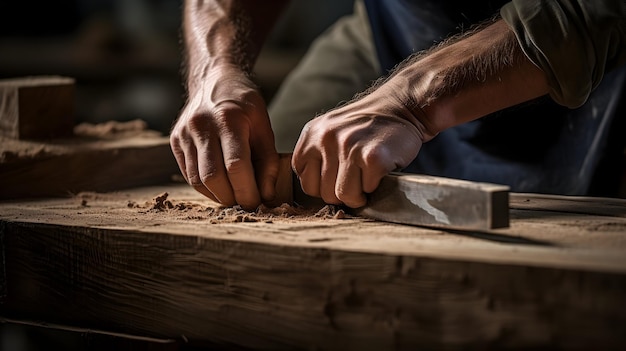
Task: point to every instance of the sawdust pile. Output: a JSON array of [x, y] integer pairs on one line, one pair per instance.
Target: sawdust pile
[[235, 214], [16, 150], [114, 129]]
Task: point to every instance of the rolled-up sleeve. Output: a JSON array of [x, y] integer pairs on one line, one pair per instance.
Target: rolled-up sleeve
[[575, 42]]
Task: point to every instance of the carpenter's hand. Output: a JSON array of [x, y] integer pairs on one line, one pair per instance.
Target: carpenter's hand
[[223, 141], [343, 154]]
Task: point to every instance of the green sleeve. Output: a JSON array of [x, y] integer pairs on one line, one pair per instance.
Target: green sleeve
[[575, 42]]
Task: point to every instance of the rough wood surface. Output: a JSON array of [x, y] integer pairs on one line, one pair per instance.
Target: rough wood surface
[[67, 166], [37, 107], [556, 278]]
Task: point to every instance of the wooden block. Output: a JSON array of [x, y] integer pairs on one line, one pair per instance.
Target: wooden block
[[438, 202], [37, 107]]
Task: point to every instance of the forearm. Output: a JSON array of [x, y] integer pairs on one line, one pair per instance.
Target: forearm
[[468, 78], [224, 32]]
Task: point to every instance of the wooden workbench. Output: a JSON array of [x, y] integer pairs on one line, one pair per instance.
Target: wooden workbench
[[173, 267]]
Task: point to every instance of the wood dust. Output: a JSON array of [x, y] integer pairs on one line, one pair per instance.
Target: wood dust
[[114, 129], [219, 214], [15, 150]]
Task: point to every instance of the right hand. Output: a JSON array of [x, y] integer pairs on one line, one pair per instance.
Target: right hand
[[343, 154], [223, 141]]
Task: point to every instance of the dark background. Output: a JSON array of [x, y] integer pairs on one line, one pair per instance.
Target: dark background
[[125, 54]]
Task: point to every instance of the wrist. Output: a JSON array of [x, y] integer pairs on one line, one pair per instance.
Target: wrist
[[412, 86], [220, 69]]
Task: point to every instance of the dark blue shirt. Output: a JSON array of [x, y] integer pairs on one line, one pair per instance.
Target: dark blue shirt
[[402, 27]]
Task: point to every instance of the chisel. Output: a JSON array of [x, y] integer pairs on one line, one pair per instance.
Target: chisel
[[420, 200]]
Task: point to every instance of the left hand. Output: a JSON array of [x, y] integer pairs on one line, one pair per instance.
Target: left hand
[[343, 154]]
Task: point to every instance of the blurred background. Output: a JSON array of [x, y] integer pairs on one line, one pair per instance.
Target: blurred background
[[125, 54]]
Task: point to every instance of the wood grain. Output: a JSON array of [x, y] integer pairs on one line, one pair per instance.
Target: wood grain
[[552, 280], [68, 166]]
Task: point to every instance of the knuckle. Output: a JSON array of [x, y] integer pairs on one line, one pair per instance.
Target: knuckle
[[209, 174], [197, 122], [174, 136], [208, 178], [177, 150], [235, 166], [330, 137], [350, 138], [194, 180], [376, 158], [308, 127], [232, 120], [178, 136]]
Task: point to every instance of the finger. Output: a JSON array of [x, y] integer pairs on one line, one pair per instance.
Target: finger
[[238, 163], [179, 155], [330, 165], [212, 171], [266, 170], [203, 159], [302, 152], [265, 158], [348, 188], [191, 170], [370, 180], [306, 162], [310, 177]]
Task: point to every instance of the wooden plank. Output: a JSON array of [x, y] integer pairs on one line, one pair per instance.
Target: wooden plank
[[438, 202], [117, 262], [37, 107], [68, 166]]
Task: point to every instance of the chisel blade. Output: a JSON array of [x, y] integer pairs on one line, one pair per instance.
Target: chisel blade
[[438, 202]]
